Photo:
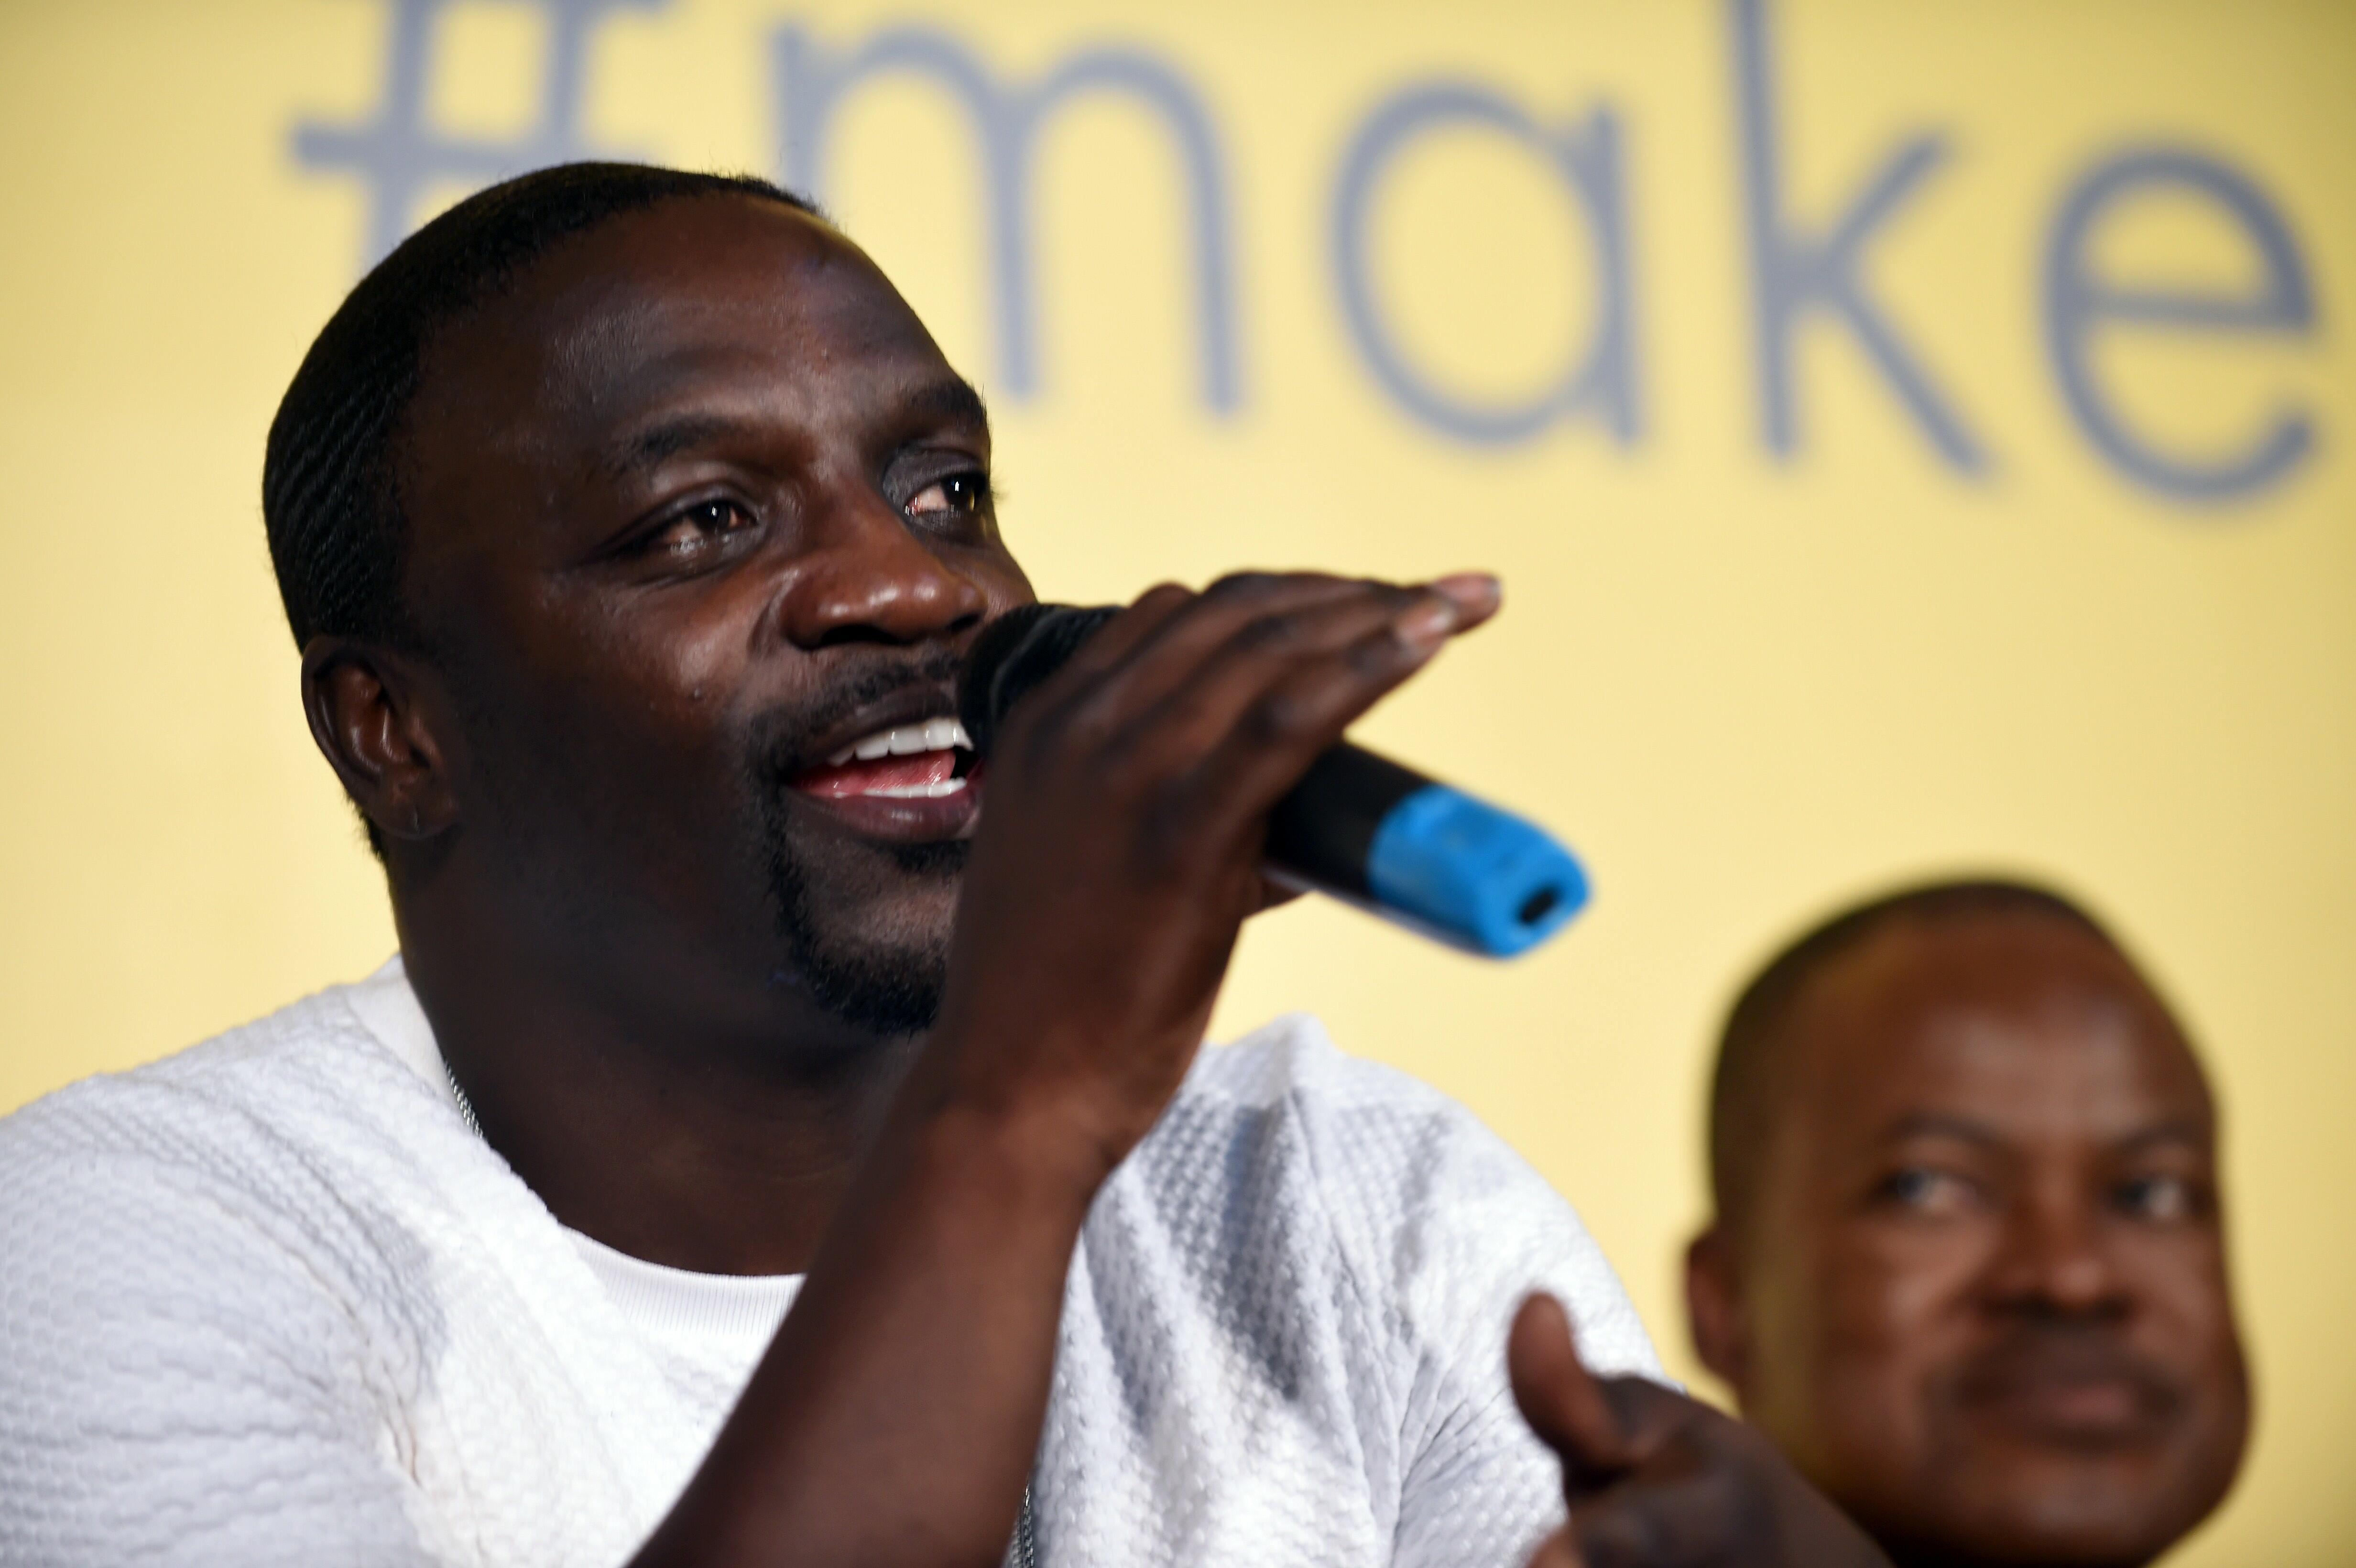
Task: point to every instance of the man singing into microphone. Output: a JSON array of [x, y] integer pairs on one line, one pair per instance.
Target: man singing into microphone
[[632, 531]]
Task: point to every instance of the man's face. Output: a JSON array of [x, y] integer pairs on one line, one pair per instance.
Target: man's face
[[696, 508], [1984, 1280]]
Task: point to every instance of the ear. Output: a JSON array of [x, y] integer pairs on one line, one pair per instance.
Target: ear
[[370, 716], [1721, 1330]]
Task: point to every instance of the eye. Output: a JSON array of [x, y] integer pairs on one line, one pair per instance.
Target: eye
[[2161, 1197], [1923, 1191], [691, 533], [958, 496]]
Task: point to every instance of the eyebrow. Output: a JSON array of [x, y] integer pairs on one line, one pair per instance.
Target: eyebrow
[[650, 447], [954, 400], [2183, 1130], [1927, 1124], [1930, 1124]]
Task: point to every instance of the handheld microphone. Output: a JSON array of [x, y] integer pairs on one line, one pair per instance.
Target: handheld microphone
[[1357, 827]]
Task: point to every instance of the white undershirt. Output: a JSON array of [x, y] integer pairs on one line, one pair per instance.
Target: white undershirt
[[706, 1331]]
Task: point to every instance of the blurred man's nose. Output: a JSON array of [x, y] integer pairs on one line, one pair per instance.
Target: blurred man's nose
[[865, 575], [2055, 1257]]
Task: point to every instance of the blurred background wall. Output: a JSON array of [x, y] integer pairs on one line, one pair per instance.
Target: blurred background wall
[[1913, 434]]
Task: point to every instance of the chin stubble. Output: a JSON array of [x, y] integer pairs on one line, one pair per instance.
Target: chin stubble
[[878, 985]]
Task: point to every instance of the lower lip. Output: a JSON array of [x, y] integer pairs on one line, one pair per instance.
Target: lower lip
[[2092, 1409], [906, 819]]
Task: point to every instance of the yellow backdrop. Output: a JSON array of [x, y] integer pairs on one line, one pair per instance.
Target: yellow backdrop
[[1913, 436]]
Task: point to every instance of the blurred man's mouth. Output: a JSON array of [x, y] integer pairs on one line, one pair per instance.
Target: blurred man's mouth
[[2076, 1394]]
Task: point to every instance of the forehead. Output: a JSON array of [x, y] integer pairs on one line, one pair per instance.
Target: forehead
[[730, 296], [2022, 1024]]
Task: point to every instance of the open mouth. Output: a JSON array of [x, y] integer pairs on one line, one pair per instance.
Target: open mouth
[[932, 759]]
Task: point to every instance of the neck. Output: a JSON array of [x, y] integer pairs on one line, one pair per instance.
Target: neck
[[718, 1144]]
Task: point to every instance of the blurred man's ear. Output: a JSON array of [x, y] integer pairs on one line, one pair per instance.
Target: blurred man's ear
[[1722, 1330]]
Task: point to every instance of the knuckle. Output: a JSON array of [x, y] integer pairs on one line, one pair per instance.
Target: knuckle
[[1275, 718], [1380, 654], [1162, 593], [1278, 632], [1244, 586], [1121, 766]]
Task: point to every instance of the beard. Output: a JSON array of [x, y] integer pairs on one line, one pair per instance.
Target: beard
[[880, 973], [880, 983]]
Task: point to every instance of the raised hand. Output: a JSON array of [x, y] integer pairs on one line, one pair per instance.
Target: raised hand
[[1657, 1480], [1124, 812]]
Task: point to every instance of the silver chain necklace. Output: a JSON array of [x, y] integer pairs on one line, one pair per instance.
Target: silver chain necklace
[[466, 1106], [1023, 1552]]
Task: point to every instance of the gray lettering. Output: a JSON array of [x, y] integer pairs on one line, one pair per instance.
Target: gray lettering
[[398, 154], [813, 82], [2077, 304], [1586, 158], [1794, 275]]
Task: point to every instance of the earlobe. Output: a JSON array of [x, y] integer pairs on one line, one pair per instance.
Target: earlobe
[[1714, 1310], [364, 706]]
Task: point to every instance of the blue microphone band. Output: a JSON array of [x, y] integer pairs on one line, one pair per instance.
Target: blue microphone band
[[1357, 827], [1362, 828]]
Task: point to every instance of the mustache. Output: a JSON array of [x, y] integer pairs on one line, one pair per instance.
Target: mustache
[[784, 741], [2039, 1354]]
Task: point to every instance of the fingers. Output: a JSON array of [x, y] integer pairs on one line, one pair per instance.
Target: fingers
[[1228, 696], [1561, 1400], [1293, 672], [1477, 595], [1164, 638], [1169, 629], [1274, 727], [1687, 1520]]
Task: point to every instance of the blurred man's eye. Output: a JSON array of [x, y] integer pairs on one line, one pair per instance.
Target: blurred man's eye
[[1921, 1189], [2157, 1197]]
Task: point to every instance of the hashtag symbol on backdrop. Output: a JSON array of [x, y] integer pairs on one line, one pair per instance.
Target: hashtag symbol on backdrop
[[397, 155]]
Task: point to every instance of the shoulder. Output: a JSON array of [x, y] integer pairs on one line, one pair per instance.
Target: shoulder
[[210, 1315], [245, 1157], [1441, 1225], [270, 1081]]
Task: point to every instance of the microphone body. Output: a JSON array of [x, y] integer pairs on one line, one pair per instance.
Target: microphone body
[[1358, 827]]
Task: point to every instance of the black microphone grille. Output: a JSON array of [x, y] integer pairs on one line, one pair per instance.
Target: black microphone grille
[[1015, 652]]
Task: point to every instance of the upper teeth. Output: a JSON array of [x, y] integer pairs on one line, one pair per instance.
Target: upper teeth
[[905, 739]]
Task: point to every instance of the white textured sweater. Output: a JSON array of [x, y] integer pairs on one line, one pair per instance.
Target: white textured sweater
[[269, 1301]]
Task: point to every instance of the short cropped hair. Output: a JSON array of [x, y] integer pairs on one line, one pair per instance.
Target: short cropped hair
[[1750, 1057], [330, 476]]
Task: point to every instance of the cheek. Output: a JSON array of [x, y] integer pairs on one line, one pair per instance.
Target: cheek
[[623, 738], [2186, 1321], [1888, 1285], [1893, 1307]]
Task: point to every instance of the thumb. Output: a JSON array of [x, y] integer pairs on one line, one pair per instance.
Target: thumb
[[1560, 1398]]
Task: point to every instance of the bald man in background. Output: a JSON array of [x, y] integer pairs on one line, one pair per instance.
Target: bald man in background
[[1967, 1267]]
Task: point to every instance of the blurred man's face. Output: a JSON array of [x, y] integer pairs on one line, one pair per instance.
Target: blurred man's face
[[1981, 1299]]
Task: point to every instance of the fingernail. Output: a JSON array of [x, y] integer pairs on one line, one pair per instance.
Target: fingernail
[[1429, 621], [1476, 592]]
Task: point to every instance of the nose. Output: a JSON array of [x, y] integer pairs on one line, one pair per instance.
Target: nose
[[2056, 1259], [865, 576]]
